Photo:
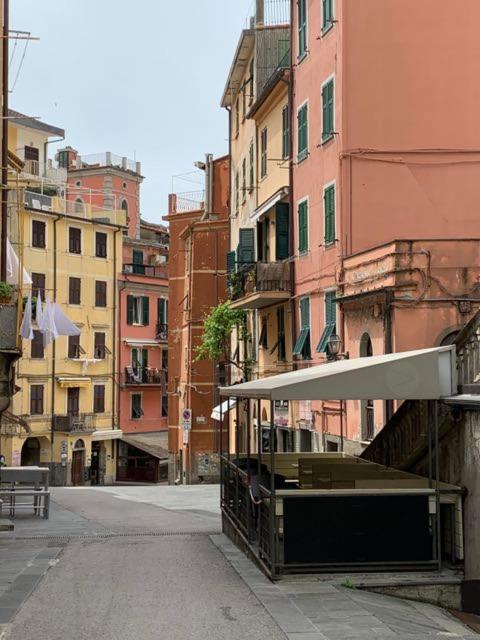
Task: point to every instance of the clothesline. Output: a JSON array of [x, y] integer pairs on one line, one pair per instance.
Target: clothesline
[[51, 321]]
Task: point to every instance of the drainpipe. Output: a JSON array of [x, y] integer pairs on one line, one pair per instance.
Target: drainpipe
[[4, 209], [114, 324], [388, 347], [54, 343], [230, 168], [120, 311], [290, 177]]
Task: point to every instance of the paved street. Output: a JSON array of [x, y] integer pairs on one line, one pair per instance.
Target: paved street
[[149, 562]]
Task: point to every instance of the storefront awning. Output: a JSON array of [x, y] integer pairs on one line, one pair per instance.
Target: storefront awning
[[426, 374], [155, 444], [107, 434], [67, 383], [223, 409]]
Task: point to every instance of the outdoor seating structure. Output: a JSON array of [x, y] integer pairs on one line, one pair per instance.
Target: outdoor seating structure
[[323, 512], [25, 489]]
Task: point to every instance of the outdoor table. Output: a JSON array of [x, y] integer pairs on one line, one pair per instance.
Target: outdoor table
[[27, 482]]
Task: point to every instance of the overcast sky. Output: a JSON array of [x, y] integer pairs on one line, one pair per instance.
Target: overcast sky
[[139, 78]]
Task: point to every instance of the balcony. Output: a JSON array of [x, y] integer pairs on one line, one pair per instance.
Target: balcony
[[144, 376], [162, 331], [148, 270], [261, 285], [76, 208], [48, 174], [83, 423]]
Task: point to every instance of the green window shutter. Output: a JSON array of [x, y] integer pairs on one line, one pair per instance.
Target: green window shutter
[[237, 191], [330, 321], [303, 227], [282, 231], [286, 132], [302, 27], [329, 210], [244, 179], [231, 261], [302, 345], [145, 310], [264, 153], [130, 306], [327, 110], [327, 13], [162, 311], [302, 119], [246, 247], [305, 313]]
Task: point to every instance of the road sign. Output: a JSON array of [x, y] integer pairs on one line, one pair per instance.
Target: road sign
[[186, 434], [187, 419]]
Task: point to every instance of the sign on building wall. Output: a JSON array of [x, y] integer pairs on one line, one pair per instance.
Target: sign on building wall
[[280, 413], [187, 419]]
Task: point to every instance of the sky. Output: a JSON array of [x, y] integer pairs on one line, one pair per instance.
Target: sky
[[141, 79]]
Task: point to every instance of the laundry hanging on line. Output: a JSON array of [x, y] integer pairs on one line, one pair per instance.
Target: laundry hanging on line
[[51, 321], [13, 267]]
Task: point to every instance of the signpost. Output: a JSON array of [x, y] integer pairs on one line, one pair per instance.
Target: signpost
[[187, 424]]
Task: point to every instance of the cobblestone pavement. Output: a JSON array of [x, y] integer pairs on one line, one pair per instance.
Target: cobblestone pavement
[[146, 562]]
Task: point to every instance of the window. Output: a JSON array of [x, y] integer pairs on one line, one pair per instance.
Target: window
[[330, 321], [252, 166], [329, 214], [302, 345], [137, 411], [263, 339], [38, 284], [74, 348], [73, 401], [162, 311], [303, 226], [237, 117], [246, 247], [74, 288], [286, 132], [279, 346], [327, 14], [36, 399], [99, 350], [99, 398], [263, 169], [328, 111], [100, 293], [38, 234], [244, 180], [78, 207], [100, 245], [32, 164], [138, 310], [137, 259], [62, 158], [164, 359], [302, 122], [36, 347], [74, 240], [164, 406], [237, 192], [302, 28], [282, 231]]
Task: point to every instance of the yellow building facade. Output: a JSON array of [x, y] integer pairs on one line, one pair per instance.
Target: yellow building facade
[[64, 413]]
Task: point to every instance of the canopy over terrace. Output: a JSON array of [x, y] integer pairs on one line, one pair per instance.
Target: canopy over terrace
[[275, 483]]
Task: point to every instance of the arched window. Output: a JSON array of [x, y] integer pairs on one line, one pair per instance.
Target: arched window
[[79, 444], [78, 206], [124, 206]]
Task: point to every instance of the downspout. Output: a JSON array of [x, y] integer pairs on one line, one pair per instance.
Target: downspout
[[388, 347], [4, 210], [54, 343], [120, 311], [230, 169], [114, 325], [291, 196]]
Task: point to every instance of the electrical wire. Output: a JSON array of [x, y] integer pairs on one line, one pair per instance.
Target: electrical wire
[[20, 65]]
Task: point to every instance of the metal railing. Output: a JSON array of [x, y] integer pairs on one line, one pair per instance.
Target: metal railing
[[186, 201], [260, 277], [152, 271], [135, 376], [370, 422], [108, 159], [162, 331], [74, 424]]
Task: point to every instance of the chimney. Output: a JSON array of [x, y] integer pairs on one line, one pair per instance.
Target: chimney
[[260, 13]]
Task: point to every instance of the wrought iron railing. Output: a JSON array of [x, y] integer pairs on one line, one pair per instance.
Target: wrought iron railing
[[72, 424], [260, 277], [152, 271], [135, 376]]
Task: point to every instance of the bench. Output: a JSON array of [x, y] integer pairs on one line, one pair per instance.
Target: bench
[[40, 503]]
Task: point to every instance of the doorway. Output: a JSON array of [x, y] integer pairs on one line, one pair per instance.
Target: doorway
[[78, 463], [73, 401], [99, 463], [140, 363], [30, 456]]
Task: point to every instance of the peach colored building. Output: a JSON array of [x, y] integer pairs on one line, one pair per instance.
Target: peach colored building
[[198, 225], [386, 184]]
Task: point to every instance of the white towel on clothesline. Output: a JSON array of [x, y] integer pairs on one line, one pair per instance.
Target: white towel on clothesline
[[13, 267]]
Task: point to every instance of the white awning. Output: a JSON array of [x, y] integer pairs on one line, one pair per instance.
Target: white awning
[[107, 434], [225, 408], [139, 342], [427, 374], [268, 204]]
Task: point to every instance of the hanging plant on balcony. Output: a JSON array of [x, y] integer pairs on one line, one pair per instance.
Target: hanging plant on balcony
[[6, 293], [219, 325], [235, 285]]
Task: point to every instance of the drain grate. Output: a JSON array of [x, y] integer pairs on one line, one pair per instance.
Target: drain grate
[[113, 534]]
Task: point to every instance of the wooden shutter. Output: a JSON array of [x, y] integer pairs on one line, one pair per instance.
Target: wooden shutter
[[36, 399], [327, 110], [282, 231], [246, 247], [286, 132], [145, 310], [74, 290], [327, 14], [38, 234], [302, 118], [231, 261], [100, 293], [38, 284], [130, 309], [303, 226], [329, 208], [99, 345], [162, 311], [330, 308], [74, 240], [100, 245], [305, 312], [252, 166], [302, 27], [99, 398], [264, 153]]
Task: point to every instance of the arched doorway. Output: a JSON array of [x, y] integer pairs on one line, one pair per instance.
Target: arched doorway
[[78, 463], [367, 406], [30, 456]]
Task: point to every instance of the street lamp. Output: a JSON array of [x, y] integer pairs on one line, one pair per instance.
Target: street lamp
[[335, 344]]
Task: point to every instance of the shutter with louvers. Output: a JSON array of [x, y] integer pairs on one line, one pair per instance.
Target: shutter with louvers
[[303, 227], [162, 311], [282, 231], [327, 110], [145, 310], [130, 309], [231, 261], [246, 247], [302, 119], [329, 204]]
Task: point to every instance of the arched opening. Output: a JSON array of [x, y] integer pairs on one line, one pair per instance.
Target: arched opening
[[78, 206], [367, 406], [30, 456], [449, 339], [78, 463]]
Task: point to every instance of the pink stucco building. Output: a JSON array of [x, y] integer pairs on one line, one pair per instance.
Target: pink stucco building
[[386, 151]]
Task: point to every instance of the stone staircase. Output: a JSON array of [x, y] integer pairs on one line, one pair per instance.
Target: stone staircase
[[403, 441]]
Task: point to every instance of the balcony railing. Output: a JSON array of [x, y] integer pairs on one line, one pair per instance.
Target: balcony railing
[[186, 201], [74, 424], [263, 280], [151, 271], [49, 173], [149, 376], [162, 331]]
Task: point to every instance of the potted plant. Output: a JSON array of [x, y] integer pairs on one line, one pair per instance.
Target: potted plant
[[6, 293]]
